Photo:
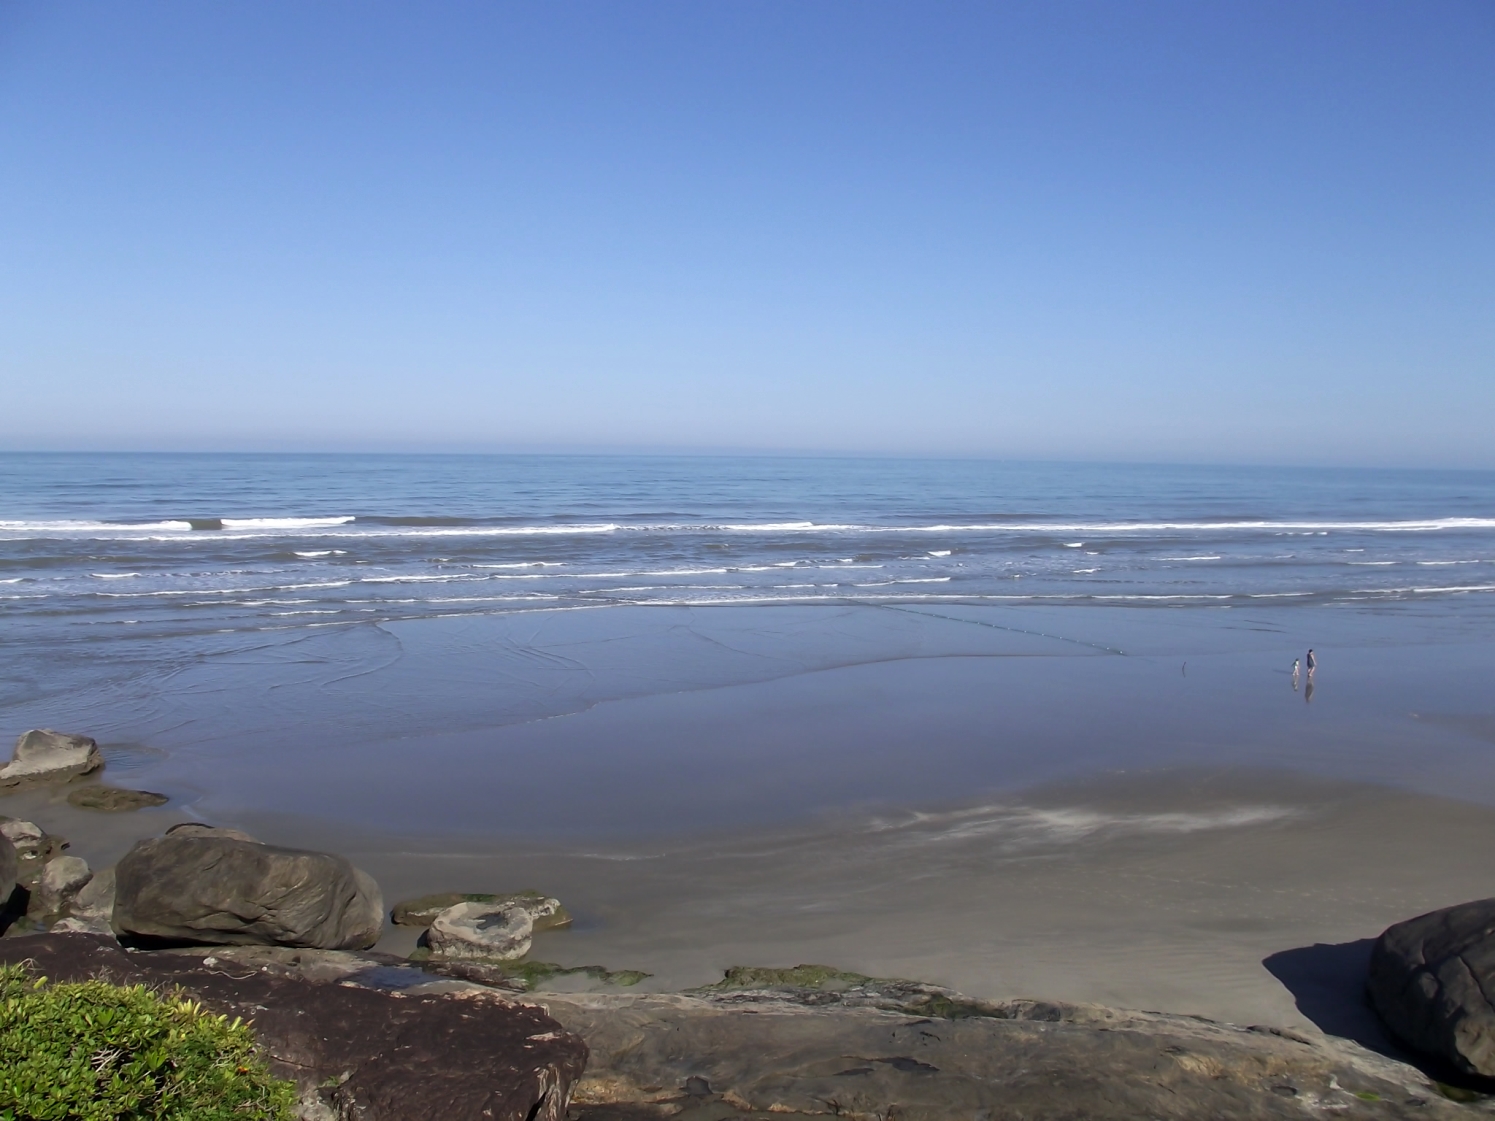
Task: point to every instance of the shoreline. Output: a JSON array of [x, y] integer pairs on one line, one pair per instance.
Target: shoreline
[[1244, 896]]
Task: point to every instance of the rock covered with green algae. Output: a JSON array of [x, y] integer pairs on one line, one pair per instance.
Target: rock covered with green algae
[[114, 799], [530, 976], [823, 985]]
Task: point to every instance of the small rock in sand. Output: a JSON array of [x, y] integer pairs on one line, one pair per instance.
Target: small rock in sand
[[44, 756], [545, 912], [498, 932]]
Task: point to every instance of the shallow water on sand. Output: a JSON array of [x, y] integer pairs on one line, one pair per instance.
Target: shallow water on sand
[[655, 721]]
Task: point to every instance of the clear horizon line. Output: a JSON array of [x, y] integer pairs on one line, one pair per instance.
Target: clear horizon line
[[689, 452]]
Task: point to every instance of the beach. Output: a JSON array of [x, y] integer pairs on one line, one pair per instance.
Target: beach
[[1126, 807]]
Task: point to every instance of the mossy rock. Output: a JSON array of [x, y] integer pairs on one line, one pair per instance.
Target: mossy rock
[[819, 978], [113, 799], [524, 976], [423, 911]]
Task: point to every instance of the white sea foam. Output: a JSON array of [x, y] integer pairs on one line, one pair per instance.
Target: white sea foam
[[1027, 826], [1204, 558], [284, 523], [940, 553], [113, 575], [346, 526]]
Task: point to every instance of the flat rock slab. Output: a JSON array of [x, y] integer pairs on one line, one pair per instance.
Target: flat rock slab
[[1432, 979], [767, 1053], [113, 799], [358, 1054]]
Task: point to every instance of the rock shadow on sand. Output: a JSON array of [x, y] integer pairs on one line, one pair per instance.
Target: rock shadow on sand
[[1327, 981]]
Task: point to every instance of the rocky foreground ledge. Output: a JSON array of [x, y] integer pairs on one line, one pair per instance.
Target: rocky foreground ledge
[[457, 1032], [369, 1037]]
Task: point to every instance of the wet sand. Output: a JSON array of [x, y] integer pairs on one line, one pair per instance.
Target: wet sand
[[1131, 808], [1242, 896]]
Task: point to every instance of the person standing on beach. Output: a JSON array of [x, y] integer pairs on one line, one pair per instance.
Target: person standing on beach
[[1311, 662], [1295, 673]]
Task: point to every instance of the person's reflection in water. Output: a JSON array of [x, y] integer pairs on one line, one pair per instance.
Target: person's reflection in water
[[1308, 690]]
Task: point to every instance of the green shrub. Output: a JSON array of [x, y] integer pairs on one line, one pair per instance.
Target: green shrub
[[92, 1051]]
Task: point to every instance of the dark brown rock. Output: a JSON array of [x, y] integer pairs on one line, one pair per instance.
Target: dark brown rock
[[357, 1053], [112, 799], [9, 865], [1432, 979], [214, 889]]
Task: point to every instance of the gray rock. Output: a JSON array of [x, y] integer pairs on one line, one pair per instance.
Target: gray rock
[[34, 847], [779, 1053], [62, 878], [9, 865], [44, 756], [498, 932], [1432, 979], [545, 912], [220, 890], [112, 799], [91, 911]]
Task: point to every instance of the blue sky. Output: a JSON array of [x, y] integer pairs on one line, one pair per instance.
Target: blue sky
[[1250, 232]]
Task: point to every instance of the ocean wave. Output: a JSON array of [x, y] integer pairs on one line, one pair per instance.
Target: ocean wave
[[283, 523], [434, 527]]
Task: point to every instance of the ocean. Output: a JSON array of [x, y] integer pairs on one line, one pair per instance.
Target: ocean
[[181, 544], [288, 633]]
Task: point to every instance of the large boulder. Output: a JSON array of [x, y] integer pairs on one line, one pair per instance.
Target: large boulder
[[220, 890], [44, 756], [1432, 979], [498, 932]]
